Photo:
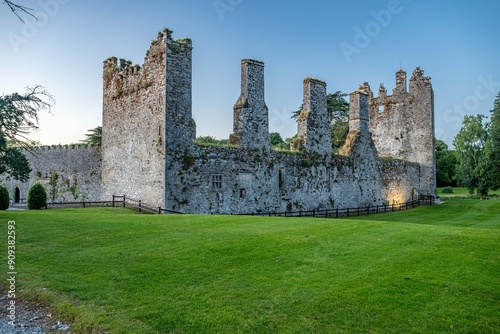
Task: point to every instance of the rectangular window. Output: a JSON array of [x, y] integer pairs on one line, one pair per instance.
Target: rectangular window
[[281, 178], [217, 181]]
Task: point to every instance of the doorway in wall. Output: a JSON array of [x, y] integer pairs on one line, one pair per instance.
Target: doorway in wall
[[17, 196]]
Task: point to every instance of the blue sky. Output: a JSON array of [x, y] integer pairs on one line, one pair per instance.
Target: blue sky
[[344, 43]]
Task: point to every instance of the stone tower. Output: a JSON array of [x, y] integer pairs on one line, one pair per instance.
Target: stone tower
[[313, 127], [146, 115], [251, 119], [402, 125]]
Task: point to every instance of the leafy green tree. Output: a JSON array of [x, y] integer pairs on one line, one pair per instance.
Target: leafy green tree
[[277, 142], [472, 144], [446, 165], [37, 197], [18, 117], [54, 186], [494, 152], [276, 139], [94, 137], [211, 141], [4, 198]]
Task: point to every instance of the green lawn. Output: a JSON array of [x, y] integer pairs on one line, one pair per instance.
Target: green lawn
[[463, 192], [428, 270]]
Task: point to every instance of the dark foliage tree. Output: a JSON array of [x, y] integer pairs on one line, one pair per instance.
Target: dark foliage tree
[[472, 144], [37, 197], [4, 198], [211, 141], [446, 165], [19, 117], [94, 137]]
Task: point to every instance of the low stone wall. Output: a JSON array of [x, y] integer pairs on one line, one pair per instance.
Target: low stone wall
[[74, 169]]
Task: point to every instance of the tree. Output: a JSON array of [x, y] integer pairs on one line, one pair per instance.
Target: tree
[[18, 117], [19, 10], [4, 198], [472, 144], [211, 141], [446, 164], [338, 116], [277, 141], [494, 152], [37, 197], [94, 137]]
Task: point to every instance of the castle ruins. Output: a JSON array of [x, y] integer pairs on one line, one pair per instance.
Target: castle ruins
[[148, 150]]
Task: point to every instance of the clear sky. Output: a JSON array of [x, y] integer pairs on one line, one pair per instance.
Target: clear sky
[[344, 43]]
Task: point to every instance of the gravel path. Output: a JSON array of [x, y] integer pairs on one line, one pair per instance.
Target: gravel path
[[31, 317]]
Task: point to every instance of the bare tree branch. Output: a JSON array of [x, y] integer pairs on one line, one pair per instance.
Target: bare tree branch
[[18, 10], [19, 113]]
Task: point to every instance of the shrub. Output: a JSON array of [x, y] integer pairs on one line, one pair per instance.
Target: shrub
[[4, 198], [447, 190], [37, 197]]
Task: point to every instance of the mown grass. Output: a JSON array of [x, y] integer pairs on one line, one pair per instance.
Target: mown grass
[[428, 270], [464, 193]]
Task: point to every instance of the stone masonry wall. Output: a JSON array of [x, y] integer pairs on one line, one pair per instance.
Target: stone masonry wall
[[78, 170], [402, 124], [251, 119], [133, 136], [231, 180], [209, 179], [313, 128]]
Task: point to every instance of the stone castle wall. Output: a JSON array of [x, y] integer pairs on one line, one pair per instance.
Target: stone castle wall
[[402, 124], [231, 180], [78, 170], [250, 177], [148, 150]]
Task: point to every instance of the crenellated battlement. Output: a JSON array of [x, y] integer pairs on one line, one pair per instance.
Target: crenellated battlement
[[402, 124], [122, 78], [61, 147]]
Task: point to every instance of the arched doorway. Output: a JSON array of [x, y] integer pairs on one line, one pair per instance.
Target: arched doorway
[[17, 196]]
